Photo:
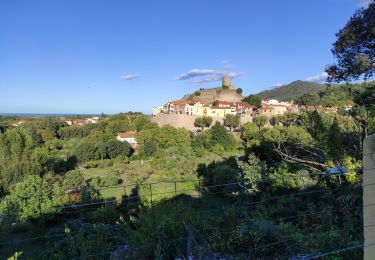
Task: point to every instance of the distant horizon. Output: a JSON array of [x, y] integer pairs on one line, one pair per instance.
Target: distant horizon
[[60, 114]]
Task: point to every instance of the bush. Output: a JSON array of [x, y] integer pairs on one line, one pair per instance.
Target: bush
[[73, 180], [98, 163], [88, 150], [115, 148], [104, 214], [101, 182]]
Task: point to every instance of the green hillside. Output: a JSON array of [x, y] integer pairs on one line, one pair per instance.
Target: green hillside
[[292, 90]]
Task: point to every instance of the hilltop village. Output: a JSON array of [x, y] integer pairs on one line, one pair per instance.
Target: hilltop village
[[217, 103]]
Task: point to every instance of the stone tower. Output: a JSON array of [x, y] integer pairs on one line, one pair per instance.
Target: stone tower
[[227, 82]]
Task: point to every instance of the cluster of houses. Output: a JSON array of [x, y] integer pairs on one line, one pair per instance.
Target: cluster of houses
[[219, 108], [80, 122]]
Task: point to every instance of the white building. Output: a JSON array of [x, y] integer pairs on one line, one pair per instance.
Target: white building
[[157, 110], [129, 137]]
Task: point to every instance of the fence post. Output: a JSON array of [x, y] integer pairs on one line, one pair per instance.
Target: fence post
[[369, 196], [151, 194], [189, 244]]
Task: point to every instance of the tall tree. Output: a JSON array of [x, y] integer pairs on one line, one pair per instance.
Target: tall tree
[[354, 48], [260, 121], [202, 122], [232, 121], [253, 100]]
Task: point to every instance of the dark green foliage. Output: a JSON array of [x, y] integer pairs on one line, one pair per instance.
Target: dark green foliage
[[89, 150], [149, 148], [354, 48], [308, 100], [253, 100], [197, 93], [73, 180], [76, 131], [81, 243], [220, 136], [16, 160], [31, 198], [106, 181], [165, 246], [239, 91], [36, 137], [335, 142], [115, 148], [104, 214]]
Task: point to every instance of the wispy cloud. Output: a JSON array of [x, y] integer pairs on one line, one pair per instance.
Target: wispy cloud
[[130, 76], [277, 85], [227, 64], [320, 78], [201, 76], [196, 73], [363, 3], [217, 77]]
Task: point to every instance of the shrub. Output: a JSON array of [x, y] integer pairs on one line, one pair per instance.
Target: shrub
[[101, 182], [104, 214], [73, 180], [87, 150], [115, 148]]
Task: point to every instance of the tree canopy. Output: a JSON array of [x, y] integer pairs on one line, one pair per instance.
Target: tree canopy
[[354, 48], [253, 100]]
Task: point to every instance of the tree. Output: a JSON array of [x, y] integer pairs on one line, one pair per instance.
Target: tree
[[16, 161], [73, 180], [36, 137], [364, 101], [239, 91], [149, 147], [308, 100], [232, 121], [88, 150], [220, 136], [202, 122], [32, 197], [252, 171], [355, 48], [250, 134], [260, 121], [115, 148], [253, 100]]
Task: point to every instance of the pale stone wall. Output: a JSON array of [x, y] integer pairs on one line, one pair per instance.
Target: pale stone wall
[[186, 121], [369, 197], [210, 95]]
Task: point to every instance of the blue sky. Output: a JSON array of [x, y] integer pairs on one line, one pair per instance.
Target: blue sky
[[90, 56]]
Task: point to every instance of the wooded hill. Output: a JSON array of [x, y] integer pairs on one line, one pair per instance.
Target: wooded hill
[[291, 90]]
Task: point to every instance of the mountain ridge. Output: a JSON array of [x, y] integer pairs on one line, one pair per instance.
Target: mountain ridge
[[291, 90]]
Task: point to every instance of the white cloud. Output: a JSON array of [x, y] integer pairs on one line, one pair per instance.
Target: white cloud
[[130, 76], [209, 75], [363, 3], [216, 77], [277, 85], [227, 64], [320, 78], [195, 73]]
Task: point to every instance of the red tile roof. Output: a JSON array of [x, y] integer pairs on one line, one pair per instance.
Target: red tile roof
[[127, 134]]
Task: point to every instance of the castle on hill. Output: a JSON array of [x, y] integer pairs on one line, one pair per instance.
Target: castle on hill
[[214, 102]]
